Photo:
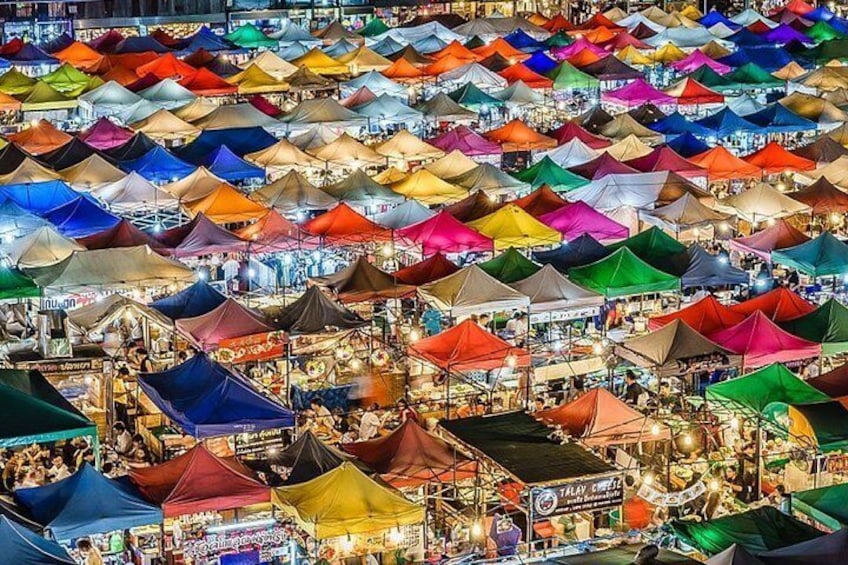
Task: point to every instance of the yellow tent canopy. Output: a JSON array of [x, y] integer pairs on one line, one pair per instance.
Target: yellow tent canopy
[[429, 189], [362, 60], [691, 12], [789, 71], [715, 50], [320, 63], [162, 124], [346, 150], [633, 56], [669, 53], [404, 146], [513, 227], [345, 501], [226, 205], [272, 64], [389, 176], [255, 80], [452, 165]]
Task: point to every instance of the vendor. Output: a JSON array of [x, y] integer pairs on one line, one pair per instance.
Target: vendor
[[634, 393]]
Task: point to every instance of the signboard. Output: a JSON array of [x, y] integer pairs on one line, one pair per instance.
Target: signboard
[[255, 445], [65, 367], [564, 315], [255, 347], [215, 544], [578, 496]]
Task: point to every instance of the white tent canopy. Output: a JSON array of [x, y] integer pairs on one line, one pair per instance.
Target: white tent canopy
[[469, 291]]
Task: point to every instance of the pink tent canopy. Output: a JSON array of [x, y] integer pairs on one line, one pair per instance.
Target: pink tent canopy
[[582, 44], [444, 233], [636, 93], [105, 134], [201, 236], [229, 320], [695, 60], [761, 342], [666, 159], [467, 141], [779, 236], [601, 166], [573, 220]]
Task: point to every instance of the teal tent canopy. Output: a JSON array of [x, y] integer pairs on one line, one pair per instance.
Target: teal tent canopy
[[820, 257]]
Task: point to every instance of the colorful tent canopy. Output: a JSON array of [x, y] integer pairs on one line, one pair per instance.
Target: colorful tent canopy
[[778, 236], [579, 218], [344, 501], [541, 201], [195, 300], [517, 136], [406, 214], [547, 172], [653, 246], [229, 320], [780, 305], [86, 503], [362, 281], [207, 400], [823, 256], [307, 458], [773, 159], [510, 266], [827, 324], [21, 545], [468, 347], [343, 226], [444, 233], [667, 347], [622, 273], [550, 291], [761, 342], [822, 197], [581, 251], [467, 141], [510, 226], [471, 290], [312, 313], [198, 481], [431, 269], [598, 418]]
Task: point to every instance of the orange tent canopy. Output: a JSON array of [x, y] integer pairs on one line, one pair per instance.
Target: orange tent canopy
[[522, 72], [599, 418], [40, 138], [206, 83], [344, 226], [584, 57], [225, 205], [166, 66], [705, 316], [779, 305], [600, 35], [458, 50], [774, 159], [518, 136], [501, 47], [403, 70], [132, 61], [447, 63], [121, 75], [721, 164], [9, 103], [81, 56], [541, 201], [468, 347], [270, 233]]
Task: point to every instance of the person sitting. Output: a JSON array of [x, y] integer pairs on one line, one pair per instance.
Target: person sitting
[[634, 392], [122, 438], [407, 412]]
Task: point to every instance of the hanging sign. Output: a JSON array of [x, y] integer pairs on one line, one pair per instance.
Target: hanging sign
[[255, 347], [578, 496]]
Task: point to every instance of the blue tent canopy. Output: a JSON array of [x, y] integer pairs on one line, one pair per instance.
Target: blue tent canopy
[[40, 197], [714, 17], [540, 63], [225, 164], [675, 124], [140, 44], [687, 145], [158, 165], [576, 253], [726, 122], [776, 118], [206, 39], [769, 58], [81, 217], [239, 140], [747, 38], [57, 43], [522, 41], [703, 269], [19, 545], [196, 300], [15, 220], [86, 503], [821, 13], [207, 400], [31, 55]]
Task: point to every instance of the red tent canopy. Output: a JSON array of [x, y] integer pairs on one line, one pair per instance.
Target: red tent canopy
[[123, 234], [264, 105], [623, 39], [541, 201], [430, 269], [569, 130], [761, 342], [823, 197], [779, 236], [521, 72], [598, 20], [705, 316], [780, 305], [458, 50], [690, 92], [774, 160], [468, 347], [599, 418], [601, 166], [206, 83], [444, 233], [229, 320], [409, 457], [166, 66], [518, 136], [344, 226], [198, 481], [558, 23]]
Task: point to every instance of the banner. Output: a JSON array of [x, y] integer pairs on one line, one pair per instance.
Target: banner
[[578, 496], [255, 347]]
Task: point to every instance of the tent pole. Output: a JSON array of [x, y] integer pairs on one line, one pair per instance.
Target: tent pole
[[759, 473]]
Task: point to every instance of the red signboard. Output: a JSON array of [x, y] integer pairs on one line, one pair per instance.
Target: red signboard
[[255, 347]]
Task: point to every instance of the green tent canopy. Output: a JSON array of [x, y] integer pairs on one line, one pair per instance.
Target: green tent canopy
[[751, 74], [470, 96], [826, 423], [820, 257], [822, 31], [15, 284], [68, 80], [15, 83], [759, 530], [32, 419], [827, 324], [474, 43], [711, 79], [510, 266], [622, 274], [653, 246], [568, 77], [250, 37], [826, 505], [375, 27], [830, 49], [548, 172], [754, 392], [559, 39]]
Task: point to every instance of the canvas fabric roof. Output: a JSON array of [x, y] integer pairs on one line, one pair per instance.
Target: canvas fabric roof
[[778, 236], [431, 269], [293, 192], [666, 347], [471, 290], [40, 248], [823, 256], [762, 202], [362, 281], [229, 320], [344, 226], [468, 347], [314, 312], [406, 214], [550, 291], [622, 274], [511, 226], [761, 342]]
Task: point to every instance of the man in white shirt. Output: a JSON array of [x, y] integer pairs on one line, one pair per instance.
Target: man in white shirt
[[59, 470], [370, 424], [230, 268]]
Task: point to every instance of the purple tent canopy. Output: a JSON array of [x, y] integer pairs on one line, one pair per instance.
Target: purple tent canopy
[[201, 236], [579, 218], [105, 134], [783, 34], [466, 141], [637, 93], [695, 60], [582, 44]]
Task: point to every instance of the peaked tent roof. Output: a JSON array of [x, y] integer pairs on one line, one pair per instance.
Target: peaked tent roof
[[827, 324], [345, 501], [598, 418], [550, 291], [195, 300], [207, 400], [471, 290], [622, 273], [581, 251], [431, 269], [781, 235], [198, 481], [362, 281], [703, 269], [86, 503], [780, 305], [705, 316], [409, 213], [761, 342], [444, 233], [20, 545], [313, 312], [307, 458], [468, 347], [229, 320], [823, 256], [541, 201], [653, 246], [200, 236], [344, 226], [665, 347], [510, 226], [510, 266]]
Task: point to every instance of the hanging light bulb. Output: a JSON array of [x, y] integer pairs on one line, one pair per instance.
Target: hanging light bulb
[[714, 485], [511, 361], [734, 423], [648, 479], [655, 429], [687, 440], [414, 335], [476, 529]]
